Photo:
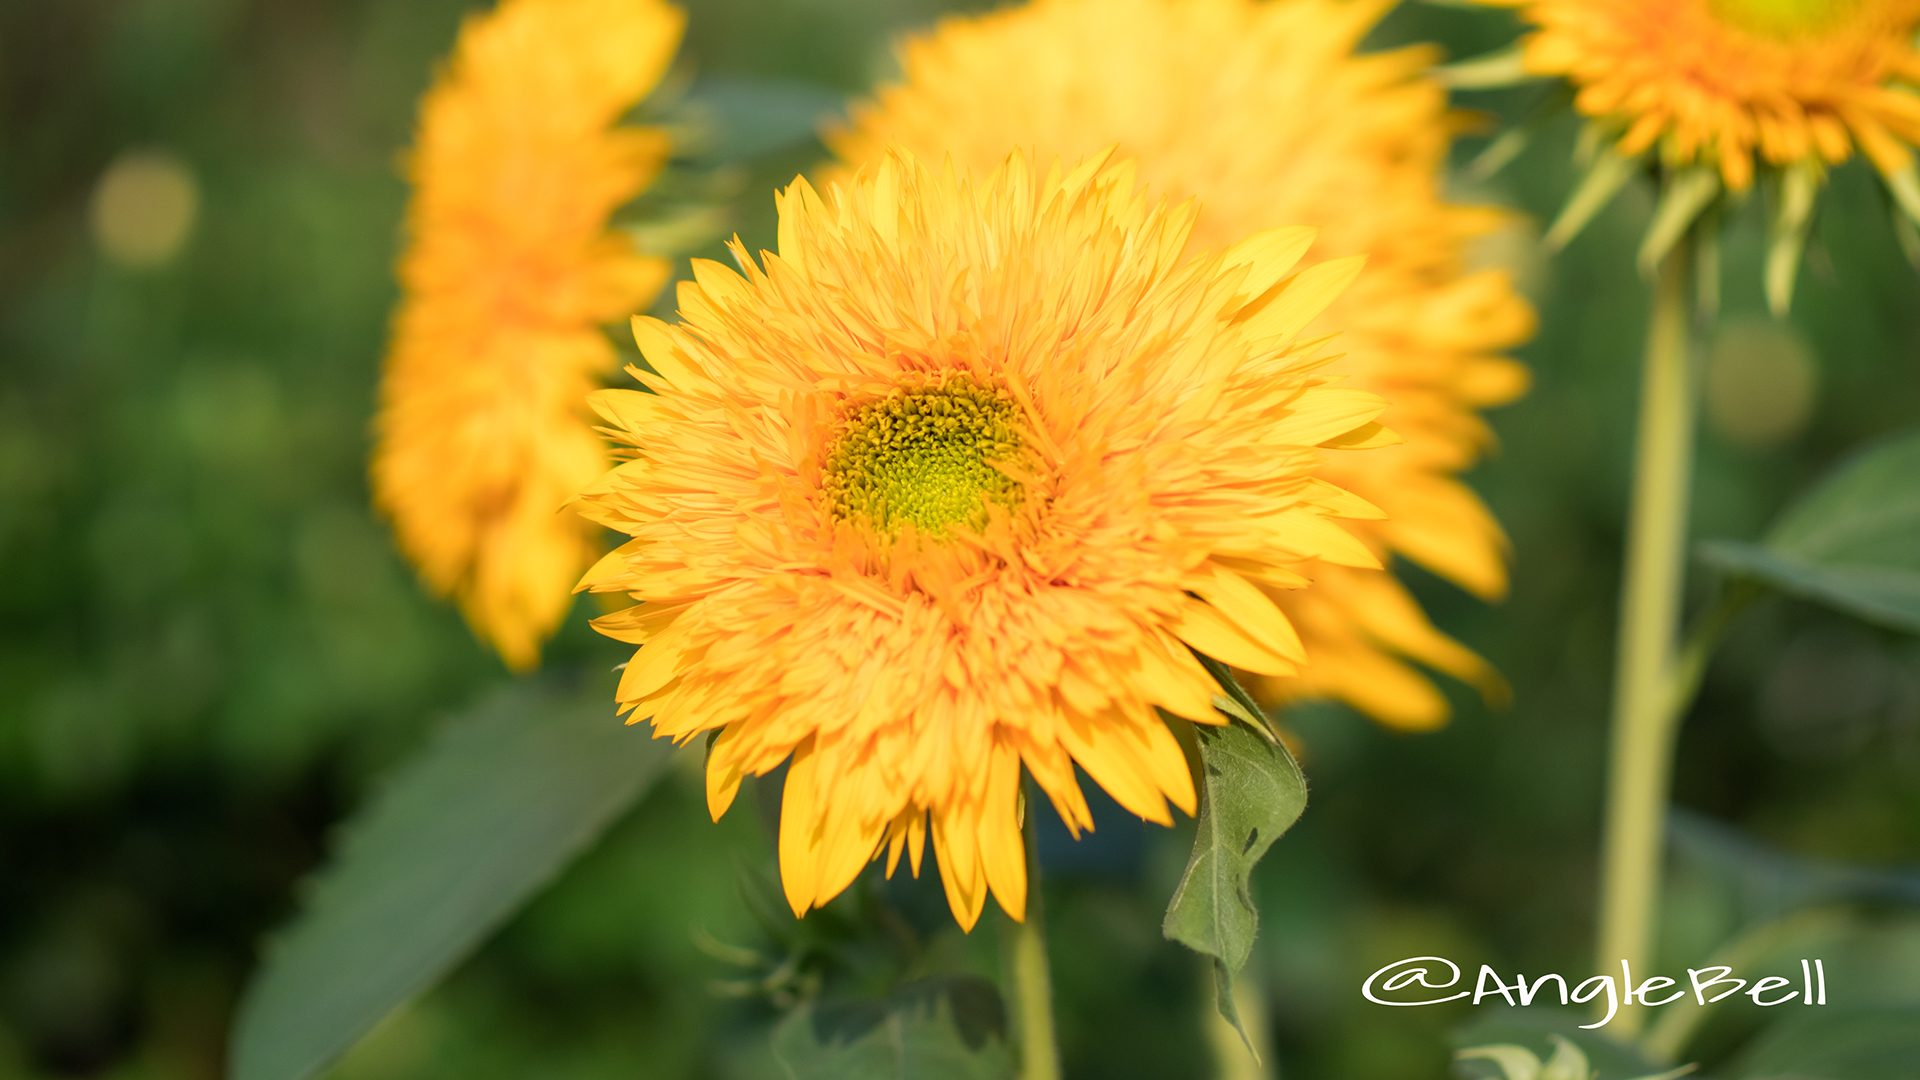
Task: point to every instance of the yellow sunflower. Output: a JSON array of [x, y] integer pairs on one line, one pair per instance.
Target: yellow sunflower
[[508, 276], [951, 486], [1267, 115], [1726, 82]]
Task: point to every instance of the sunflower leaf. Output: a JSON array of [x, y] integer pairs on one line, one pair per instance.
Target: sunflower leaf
[[937, 1029], [1503, 148], [1904, 186], [1499, 153], [1545, 1043], [1852, 543], [1506, 67], [1708, 265], [1251, 792], [1858, 1043], [1907, 235], [1684, 196], [460, 838], [1770, 883], [1592, 141], [1787, 233], [1514, 1062], [1233, 699], [1609, 173]]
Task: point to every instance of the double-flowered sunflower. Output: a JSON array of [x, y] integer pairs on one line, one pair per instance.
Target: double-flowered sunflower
[[1729, 82], [952, 486], [1265, 112], [1712, 95], [509, 277]]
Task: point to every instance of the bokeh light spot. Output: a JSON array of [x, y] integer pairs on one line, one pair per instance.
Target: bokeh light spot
[[144, 208], [1761, 383]]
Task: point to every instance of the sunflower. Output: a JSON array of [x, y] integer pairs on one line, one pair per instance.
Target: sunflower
[[509, 274], [1726, 82], [952, 486], [1265, 113], [1712, 95]]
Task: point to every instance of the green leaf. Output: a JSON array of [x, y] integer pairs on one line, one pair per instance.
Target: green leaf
[[1496, 1049], [1787, 232], [1233, 700], [1866, 956], [1684, 196], [1907, 235], [1837, 1044], [1496, 69], [1503, 148], [1568, 1062], [1772, 882], [936, 1029], [1709, 265], [459, 839], [1904, 186], [1852, 543], [1609, 173], [1507, 1061], [1251, 792]]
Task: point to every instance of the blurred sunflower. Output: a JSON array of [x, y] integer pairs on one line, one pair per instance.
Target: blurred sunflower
[[1717, 93], [952, 484], [1265, 113], [1726, 81], [509, 273]]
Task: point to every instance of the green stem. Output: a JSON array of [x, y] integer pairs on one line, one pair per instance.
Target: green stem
[[1024, 956], [1643, 724]]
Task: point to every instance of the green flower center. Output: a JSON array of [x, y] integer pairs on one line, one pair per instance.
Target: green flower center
[[1787, 18], [929, 457]]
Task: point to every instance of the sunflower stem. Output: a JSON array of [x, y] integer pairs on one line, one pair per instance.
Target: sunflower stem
[[1024, 957], [1645, 714]]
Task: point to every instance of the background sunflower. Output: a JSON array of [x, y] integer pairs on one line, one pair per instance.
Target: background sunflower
[[1267, 114], [511, 271]]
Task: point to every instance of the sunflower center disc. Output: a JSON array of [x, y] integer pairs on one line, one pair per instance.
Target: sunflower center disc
[[1787, 18], [927, 457]]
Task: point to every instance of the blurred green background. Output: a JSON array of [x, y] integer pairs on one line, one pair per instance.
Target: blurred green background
[[209, 651]]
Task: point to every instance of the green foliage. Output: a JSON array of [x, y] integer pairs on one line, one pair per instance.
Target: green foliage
[[1867, 959], [1852, 543], [1837, 1044], [739, 117], [1251, 791], [460, 839], [1549, 1044], [1685, 195], [1233, 698], [1567, 1062], [1774, 882], [935, 1029], [1609, 173], [1502, 68], [1788, 227]]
